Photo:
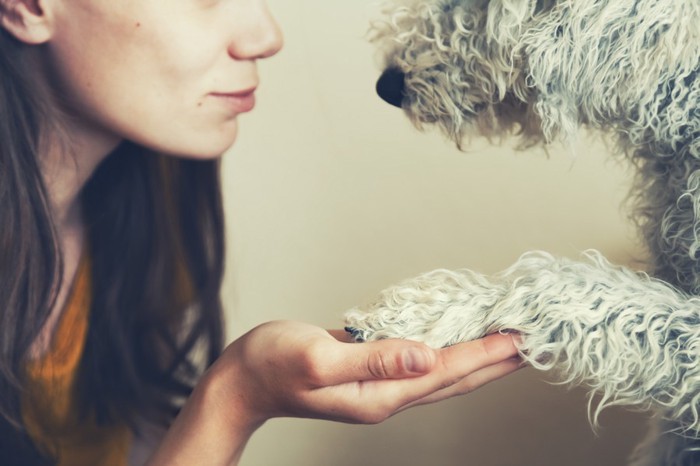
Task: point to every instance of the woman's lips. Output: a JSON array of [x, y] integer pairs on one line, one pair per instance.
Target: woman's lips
[[237, 102]]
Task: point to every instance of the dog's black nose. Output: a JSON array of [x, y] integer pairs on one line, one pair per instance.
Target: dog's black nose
[[390, 86]]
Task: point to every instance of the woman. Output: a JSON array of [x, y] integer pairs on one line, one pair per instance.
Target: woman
[[113, 117]]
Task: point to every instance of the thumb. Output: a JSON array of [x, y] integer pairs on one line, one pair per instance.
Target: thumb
[[385, 359]]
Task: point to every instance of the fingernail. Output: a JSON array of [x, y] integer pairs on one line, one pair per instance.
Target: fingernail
[[516, 336], [416, 360]]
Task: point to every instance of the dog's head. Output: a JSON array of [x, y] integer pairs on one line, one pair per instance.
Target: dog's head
[[540, 68]]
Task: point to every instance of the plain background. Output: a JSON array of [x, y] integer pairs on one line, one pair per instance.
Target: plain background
[[332, 195]]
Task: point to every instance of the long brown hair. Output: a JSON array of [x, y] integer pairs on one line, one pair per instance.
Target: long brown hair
[[154, 226]]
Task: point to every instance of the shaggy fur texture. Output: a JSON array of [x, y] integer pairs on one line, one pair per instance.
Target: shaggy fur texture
[[540, 70]]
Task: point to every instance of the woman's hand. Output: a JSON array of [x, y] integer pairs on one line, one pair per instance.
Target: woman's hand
[[294, 369]]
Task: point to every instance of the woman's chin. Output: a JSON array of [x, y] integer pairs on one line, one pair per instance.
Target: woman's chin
[[200, 146]]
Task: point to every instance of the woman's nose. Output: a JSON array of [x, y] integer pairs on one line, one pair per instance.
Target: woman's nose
[[260, 38]]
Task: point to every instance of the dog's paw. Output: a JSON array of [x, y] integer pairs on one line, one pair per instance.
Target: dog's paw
[[439, 308]]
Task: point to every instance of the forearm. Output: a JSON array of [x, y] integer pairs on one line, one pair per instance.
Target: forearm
[[286, 368], [212, 428]]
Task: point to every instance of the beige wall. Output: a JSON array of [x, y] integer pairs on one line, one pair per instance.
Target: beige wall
[[332, 195]]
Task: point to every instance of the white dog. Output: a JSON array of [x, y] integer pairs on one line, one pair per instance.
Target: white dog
[[541, 69]]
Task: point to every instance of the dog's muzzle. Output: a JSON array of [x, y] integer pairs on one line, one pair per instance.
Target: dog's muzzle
[[390, 86]]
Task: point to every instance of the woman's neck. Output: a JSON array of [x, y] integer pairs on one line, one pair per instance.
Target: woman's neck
[[67, 167], [65, 172]]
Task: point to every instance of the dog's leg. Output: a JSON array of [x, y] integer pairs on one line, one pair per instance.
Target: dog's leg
[[632, 339]]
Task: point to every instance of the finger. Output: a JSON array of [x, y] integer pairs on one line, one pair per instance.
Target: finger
[[471, 382], [379, 360], [379, 399], [465, 358], [455, 364], [341, 335], [397, 359], [487, 375]]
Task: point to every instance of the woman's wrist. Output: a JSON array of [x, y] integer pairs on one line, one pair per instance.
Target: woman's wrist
[[213, 427], [224, 395]]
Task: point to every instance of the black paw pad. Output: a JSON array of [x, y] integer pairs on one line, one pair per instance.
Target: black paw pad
[[355, 333]]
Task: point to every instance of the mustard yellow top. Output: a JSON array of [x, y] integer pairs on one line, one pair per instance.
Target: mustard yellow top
[[50, 409]]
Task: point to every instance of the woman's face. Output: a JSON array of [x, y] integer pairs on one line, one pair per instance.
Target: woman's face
[[172, 75]]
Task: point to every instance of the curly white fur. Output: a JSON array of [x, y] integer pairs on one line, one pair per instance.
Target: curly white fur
[[541, 69], [631, 338]]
